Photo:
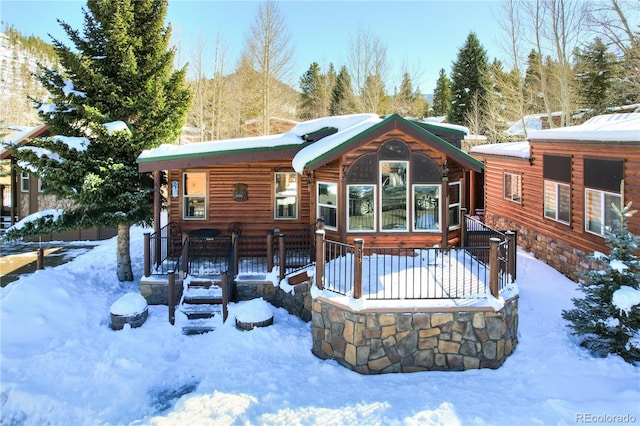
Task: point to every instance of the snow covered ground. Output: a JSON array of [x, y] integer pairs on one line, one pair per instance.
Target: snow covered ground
[[61, 364]]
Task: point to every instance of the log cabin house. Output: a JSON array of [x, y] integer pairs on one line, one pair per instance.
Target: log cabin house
[[22, 193], [556, 188], [390, 181]]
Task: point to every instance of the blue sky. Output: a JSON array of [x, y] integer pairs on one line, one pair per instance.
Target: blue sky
[[421, 36]]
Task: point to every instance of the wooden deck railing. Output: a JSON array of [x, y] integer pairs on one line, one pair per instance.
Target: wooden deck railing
[[237, 254]]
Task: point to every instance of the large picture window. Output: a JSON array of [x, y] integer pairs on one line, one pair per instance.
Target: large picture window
[[194, 198], [426, 205], [393, 195], [557, 201], [513, 187], [328, 204], [286, 195], [599, 211]]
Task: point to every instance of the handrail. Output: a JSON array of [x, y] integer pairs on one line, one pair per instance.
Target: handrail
[[400, 273], [160, 247]]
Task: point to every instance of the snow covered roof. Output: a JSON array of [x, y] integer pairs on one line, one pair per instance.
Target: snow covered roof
[[604, 128], [507, 149], [296, 144], [21, 137]]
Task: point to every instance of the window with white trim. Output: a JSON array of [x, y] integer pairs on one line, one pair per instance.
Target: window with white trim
[[194, 195], [599, 212], [426, 205], [557, 201], [24, 181], [286, 195], [556, 171], [393, 195], [328, 204], [455, 204], [603, 182], [361, 207], [512, 187]]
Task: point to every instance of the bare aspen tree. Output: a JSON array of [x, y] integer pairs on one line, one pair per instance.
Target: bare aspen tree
[[268, 50], [616, 23], [368, 68], [197, 113], [514, 93], [534, 12], [218, 89], [567, 19]]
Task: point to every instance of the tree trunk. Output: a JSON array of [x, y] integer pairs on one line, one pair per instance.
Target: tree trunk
[[123, 255]]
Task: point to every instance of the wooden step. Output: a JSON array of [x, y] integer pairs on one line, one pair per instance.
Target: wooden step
[[201, 311], [199, 326], [203, 296]]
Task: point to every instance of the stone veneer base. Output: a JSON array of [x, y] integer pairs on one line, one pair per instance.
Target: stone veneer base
[[566, 259], [374, 342]]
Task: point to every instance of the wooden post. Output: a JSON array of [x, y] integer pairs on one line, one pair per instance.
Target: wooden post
[[40, 259], [319, 275], [357, 268], [472, 191], [15, 188], [282, 254], [444, 211], [172, 297], [235, 244], [270, 251], [512, 256], [225, 295], [463, 227], [157, 205], [494, 269], [186, 248], [147, 254]]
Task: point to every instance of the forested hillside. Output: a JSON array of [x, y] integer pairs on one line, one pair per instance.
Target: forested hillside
[[18, 58], [562, 63]]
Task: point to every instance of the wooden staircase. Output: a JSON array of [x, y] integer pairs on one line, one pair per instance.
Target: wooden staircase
[[204, 305]]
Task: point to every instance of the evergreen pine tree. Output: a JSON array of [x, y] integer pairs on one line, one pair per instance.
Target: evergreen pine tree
[[405, 100], [604, 326], [342, 97], [311, 95], [468, 80], [596, 76], [117, 95], [442, 95]]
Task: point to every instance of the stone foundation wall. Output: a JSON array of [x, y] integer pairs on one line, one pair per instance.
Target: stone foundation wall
[[394, 342], [297, 302], [566, 259]]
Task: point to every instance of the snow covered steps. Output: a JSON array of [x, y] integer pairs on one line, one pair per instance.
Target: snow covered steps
[[202, 305]]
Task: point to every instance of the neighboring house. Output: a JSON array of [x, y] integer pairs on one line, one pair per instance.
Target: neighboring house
[[389, 180], [22, 192], [557, 188]]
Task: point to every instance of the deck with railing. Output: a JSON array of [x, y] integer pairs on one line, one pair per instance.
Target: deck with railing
[[484, 266]]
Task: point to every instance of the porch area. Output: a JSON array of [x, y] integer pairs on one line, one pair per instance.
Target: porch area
[[372, 309]]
